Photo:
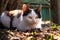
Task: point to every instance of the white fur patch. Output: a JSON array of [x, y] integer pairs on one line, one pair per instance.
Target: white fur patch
[[5, 20]]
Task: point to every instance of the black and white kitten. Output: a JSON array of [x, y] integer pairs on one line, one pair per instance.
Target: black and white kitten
[[29, 19]]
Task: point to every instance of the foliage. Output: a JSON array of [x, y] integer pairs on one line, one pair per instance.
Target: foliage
[[34, 33], [54, 26]]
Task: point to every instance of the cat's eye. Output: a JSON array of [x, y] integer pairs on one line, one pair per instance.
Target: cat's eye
[[36, 17], [30, 17]]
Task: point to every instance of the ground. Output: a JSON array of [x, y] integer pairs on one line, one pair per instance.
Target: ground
[[48, 33]]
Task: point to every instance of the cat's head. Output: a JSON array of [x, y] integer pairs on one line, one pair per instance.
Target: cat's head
[[32, 16]]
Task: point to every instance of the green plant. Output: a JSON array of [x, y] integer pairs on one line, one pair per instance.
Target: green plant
[[54, 26], [49, 37], [34, 33]]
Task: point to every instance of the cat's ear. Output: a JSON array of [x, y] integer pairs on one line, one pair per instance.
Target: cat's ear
[[39, 8], [25, 7]]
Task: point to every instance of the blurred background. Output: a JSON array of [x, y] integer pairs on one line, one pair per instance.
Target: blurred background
[[50, 10]]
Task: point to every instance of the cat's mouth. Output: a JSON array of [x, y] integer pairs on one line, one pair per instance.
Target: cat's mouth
[[34, 22]]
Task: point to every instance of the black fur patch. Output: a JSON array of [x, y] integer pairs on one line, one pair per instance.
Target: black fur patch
[[38, 13], [18, 15], [26, 13], [29, 11]]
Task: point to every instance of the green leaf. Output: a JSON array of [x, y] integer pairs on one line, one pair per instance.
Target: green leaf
[[59, 35], [54, 25], [34, 33]]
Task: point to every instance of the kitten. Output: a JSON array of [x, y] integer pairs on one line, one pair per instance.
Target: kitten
[[31, 19]]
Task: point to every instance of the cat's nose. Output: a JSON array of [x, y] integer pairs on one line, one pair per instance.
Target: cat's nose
[[34, 22]]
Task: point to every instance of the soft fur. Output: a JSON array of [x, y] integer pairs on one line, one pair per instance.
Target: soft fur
[[29, 19], [6, 19]]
